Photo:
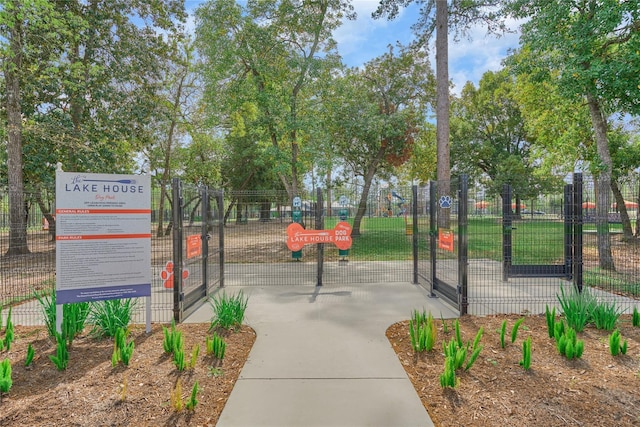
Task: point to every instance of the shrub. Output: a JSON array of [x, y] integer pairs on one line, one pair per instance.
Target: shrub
[[422, 331], [605, 315], [228, 311], [577, 307], [110, 315], [526, 354], [614, 344], [5, 376]]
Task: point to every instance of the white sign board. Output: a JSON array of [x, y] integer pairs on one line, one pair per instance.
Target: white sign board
[[103, 236]]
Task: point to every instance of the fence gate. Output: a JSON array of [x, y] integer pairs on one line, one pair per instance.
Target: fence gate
[[525, 236], [198, 243], [448, 240]]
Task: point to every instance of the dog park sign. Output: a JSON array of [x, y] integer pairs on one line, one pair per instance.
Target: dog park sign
[[297, 236], [103, 237]]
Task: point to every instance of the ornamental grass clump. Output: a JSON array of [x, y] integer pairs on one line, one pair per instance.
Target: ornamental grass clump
[[8, 333], [577, 307], [526, 354], [61, 358], [422, 331], [122, 350], [110, 315], [514, 329], [605, 315], [567, 342], [550, 315], [216, 346], [635, 319], [5, 376], [193, 401], [29, 357], [614, 344], [228, 311], [171, 338], [74, 315]]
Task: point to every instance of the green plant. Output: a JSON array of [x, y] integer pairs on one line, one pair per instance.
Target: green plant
[[122, 350], [192, 402], [178, 352], [176, 397], [422, 331], [635, 319], [458, 353], [61, 359], [8, 332], [568, 344], [194, 356], [74, 315], [614, 344], [228, 311], [514, 330], [577, 307], [29, 357], [456, 326], [551, 319], [526, 354], [5, 376], [216, 346], [110, 315], [73, 319], [503, 331], [172, 338], [445, 326], [605, 315], [48, 305], [448, 377]]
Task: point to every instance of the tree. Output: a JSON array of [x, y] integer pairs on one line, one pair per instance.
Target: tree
[[266, 53], [85, 76], [440, 15], [18, 19], [593, 46], [376, 114], [489, 138]]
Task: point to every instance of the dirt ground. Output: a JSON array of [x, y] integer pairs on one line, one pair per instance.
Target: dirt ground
[[596, 390], [90, 392]]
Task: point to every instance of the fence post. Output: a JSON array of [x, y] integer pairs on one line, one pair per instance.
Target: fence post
[[569, 207], [320, 226], [220, 201], [506, 232], [414, 213], [433, 232], [577, 232], [204, 237], [177, 248], [463, 242]]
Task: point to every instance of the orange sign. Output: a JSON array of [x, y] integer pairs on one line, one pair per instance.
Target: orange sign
[[194, 246], [297, 236], [445, 239]]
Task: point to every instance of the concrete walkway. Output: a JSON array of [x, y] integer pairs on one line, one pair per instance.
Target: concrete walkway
[[321, 357]]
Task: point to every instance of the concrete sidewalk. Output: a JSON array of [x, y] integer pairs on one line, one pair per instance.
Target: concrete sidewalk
[[321, 357]]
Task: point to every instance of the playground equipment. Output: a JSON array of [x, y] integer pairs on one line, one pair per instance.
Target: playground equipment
[[400, 203]]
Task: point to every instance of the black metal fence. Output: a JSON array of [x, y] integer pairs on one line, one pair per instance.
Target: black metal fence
[[243, 238]]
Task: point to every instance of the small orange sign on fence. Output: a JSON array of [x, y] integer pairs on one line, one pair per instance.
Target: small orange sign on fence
[[446, 239], [194, 246], [297, 236]]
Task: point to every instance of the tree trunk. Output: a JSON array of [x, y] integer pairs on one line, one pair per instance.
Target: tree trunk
[[603, 183], [46, 212], [627, 231], [17, 215], [368, 178], [442, 109]]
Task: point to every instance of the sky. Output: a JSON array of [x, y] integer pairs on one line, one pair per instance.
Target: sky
[[365, 38]]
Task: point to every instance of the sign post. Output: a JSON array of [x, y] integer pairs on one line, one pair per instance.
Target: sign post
[[103, 238]]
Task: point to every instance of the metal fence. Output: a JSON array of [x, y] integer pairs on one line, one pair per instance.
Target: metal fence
[[399, 234]]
